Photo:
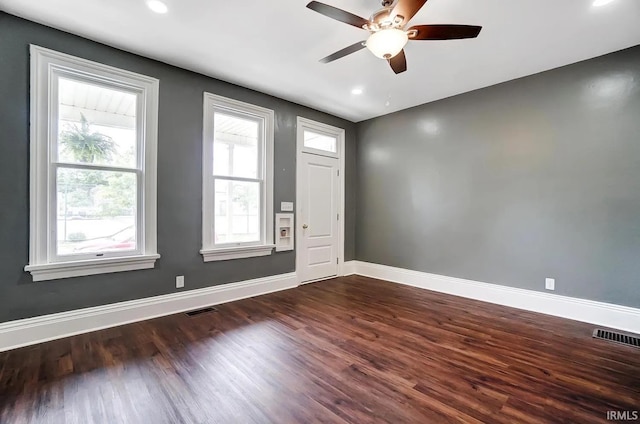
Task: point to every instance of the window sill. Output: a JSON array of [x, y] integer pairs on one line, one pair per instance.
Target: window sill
[[210, 255], [58, 270]]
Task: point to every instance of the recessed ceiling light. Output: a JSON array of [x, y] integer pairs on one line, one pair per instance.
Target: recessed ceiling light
[[357, 91], [598, 3], [157, 6]]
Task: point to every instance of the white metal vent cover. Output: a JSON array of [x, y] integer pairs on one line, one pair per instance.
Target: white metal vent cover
[[616, 337]]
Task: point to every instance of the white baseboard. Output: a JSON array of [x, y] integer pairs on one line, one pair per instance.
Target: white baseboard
[[598, 313], [25, 332], [349, 268]]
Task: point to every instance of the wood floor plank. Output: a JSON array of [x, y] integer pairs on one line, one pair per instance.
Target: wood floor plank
[[347, 350]]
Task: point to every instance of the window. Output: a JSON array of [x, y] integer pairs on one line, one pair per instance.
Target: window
[[318, 138], [93, 168], [316, 141], [238, 180]]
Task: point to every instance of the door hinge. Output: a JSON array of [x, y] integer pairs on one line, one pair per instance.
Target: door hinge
[[337, 260], [338, 172], [338, 217]]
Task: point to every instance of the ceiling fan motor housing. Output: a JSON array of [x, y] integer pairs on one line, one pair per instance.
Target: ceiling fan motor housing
[[381, 19]]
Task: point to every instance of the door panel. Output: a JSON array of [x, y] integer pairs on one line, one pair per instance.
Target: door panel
[[320, 255], [319, 214], [320, 201]]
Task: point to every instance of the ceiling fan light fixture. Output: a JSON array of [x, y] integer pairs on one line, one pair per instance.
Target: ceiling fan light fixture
[[387, 43], [157, 6]]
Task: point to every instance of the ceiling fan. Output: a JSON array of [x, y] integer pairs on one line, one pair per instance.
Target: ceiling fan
[[388, 35]]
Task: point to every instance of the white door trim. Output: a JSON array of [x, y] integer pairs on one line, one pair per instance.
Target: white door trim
[[339, 133]]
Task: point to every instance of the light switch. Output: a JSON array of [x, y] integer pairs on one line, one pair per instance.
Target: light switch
[[550, 283], [286, 206], [180, 281]]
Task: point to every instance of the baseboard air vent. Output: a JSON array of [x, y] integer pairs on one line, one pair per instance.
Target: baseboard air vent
[[616, 337], [201, 311]]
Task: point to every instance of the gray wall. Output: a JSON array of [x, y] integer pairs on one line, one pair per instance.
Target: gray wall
[[534, 178], [179, 179]]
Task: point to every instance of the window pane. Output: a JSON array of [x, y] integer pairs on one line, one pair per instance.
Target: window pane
[[235, 146], [320, 142], [237, 211], [96, 124], [96, 211]]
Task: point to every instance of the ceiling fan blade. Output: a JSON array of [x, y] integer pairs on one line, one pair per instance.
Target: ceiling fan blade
[[407, 9], [444, 32], [398, 62], [344, 52], [338, 14]]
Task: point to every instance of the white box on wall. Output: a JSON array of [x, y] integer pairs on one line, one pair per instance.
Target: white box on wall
[[285, 230]]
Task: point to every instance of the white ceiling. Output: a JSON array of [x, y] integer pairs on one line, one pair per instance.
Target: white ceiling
[[274, 46]]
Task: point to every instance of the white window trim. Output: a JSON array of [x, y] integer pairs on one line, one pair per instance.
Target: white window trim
[[44, 63], [209, 251]]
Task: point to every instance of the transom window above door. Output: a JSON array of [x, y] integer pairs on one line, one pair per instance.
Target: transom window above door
[[317, 141]]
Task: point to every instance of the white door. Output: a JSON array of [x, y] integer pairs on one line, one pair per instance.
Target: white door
[[318, 220]]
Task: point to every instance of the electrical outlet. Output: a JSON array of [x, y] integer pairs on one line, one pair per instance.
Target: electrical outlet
[[550, 283], [180, 281]]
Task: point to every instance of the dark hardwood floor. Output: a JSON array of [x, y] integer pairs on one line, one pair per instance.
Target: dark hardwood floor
[[352, 349]]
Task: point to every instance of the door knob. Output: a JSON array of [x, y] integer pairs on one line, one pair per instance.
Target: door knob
[[305, 226]]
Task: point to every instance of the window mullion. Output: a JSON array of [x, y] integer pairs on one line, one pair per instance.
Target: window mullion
[[241, 179], [92, 167]]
